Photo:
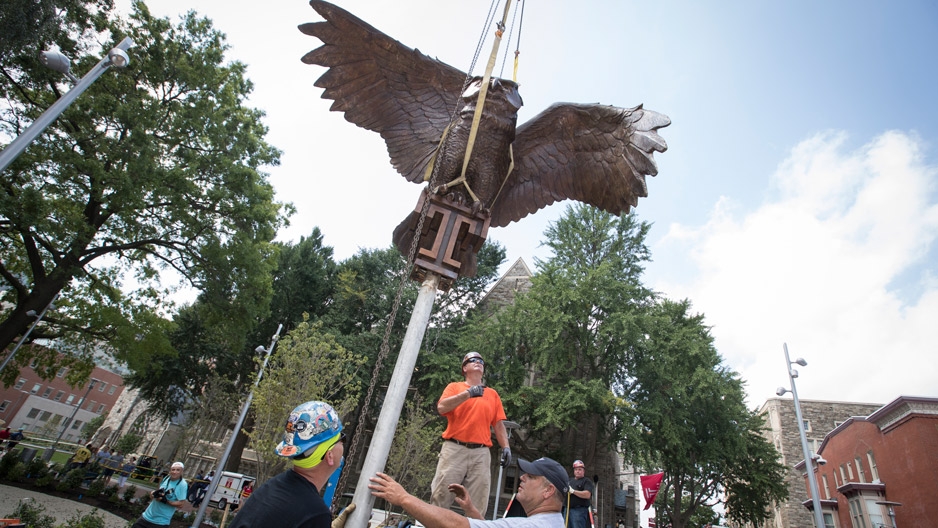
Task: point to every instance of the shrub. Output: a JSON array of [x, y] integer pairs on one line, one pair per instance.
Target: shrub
[[17, 473], [7, 462], [37, 468], [32, 514], [129, 493], [88, 520], [109, 492], [72, 480], [46, 481], [97, 487]]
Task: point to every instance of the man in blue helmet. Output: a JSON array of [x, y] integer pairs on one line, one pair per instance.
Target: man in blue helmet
[[314, 442]]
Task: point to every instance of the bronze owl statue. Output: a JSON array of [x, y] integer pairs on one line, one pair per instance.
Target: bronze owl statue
[[423, 108]]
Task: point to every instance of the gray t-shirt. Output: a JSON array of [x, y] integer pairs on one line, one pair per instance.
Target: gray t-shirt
[[541, 520]]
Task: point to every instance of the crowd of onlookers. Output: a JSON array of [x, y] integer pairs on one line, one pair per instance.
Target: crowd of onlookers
[[108, 463]]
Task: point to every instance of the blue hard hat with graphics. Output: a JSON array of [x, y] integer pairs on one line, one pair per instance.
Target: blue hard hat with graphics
[[309, 429]]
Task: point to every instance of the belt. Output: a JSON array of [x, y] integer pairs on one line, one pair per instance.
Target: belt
[[470, 445]]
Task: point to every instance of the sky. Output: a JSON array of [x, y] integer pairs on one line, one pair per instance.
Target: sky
[[796, 203]]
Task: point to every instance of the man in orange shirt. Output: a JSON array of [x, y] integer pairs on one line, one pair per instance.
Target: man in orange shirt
[[471, 410]]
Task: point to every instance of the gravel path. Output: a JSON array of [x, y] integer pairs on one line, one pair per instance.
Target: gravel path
[[59, 508]]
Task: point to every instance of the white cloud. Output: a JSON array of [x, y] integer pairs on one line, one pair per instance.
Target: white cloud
[[813, 265]]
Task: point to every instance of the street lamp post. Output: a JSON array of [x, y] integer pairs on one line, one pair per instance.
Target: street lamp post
[[47, 455], [22, 340], [117, 58], [213, 485], [808, 458]]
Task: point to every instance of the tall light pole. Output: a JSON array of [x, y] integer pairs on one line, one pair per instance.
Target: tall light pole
[[47, 455], [213, 485], [808, 458], [117, 58], [22, 340]]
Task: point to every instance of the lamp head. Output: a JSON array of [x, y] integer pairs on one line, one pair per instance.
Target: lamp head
[[260, 349], [820, 460], [781, 391], [55, 61], [118, 58], [801, 362]]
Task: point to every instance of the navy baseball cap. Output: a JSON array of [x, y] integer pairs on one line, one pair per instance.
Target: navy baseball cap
[[549, 468]]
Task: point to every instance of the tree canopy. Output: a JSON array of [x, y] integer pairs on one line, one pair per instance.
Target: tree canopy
[[155, 168]]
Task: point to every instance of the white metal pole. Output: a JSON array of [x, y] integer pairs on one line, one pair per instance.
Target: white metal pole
[[18, 145], [380, 445], [808, 459]]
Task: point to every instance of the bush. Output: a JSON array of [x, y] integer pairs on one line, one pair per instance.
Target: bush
[[72, 480], [32, 514], [17, 473], [37, 468], [97, 487], [110, 492], [46, 481], [7, 462], [88, 520], [129, 493]]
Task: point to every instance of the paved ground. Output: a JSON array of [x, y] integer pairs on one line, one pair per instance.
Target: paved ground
[[59, 508]]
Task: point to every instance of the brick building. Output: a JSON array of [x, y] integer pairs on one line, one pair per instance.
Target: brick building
[[43, 407], [881, 469], [821, 417]]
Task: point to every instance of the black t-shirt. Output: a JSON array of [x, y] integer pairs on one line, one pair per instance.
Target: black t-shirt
[[581, 485], [288, 501]]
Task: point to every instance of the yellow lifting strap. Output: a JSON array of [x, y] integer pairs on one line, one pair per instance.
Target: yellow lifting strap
[[485, 88]]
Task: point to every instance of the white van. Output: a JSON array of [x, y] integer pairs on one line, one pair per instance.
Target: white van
[[229, 489]]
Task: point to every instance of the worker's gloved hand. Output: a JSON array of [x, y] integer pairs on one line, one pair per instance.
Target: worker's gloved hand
[[339, 521], [476, 391], [506, 456]]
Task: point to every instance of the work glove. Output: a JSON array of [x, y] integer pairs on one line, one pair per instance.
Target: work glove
[[339, 521], [476, 391], [506, 456]]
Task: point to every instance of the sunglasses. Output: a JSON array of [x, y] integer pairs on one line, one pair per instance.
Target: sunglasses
[[310, 451], [341, 439], [475, 360]]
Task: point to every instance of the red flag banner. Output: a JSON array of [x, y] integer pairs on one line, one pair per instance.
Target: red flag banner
[[650, 485]]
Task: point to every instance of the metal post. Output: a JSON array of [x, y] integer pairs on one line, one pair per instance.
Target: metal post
[[380, 446], [234, 434], [18, 145], [808, 459], [498, 492], [47, 454], [23, 339]]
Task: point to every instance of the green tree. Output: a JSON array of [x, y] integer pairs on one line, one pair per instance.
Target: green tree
[[128, 443], [307, 364], [413, 455], [573, 330], [153, 169], [91, 426], [690, 421]]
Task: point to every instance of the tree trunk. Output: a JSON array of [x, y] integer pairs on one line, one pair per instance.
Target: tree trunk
[[237, 449]]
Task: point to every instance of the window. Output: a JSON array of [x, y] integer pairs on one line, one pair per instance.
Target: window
[[34, 412], [112, 389], [827, 488], [77, 424], [61, 372], [58, 395], [70, 399], [47, 392], [4, 405], [20, 383], [807, 425], [67, 421], [860, 474], [874, 473], [850, 471], [91, 405], [44, 415], [101, 408], [856, 513], [829, 520], [56, 419], [843, 474], [102, 386], [36, 388], [33, 363], [876, 513]]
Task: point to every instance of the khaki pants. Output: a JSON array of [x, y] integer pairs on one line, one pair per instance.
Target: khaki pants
[[461, 465]]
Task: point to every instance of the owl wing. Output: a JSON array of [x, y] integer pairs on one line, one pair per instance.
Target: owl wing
[[596, 154], [384, 86]]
